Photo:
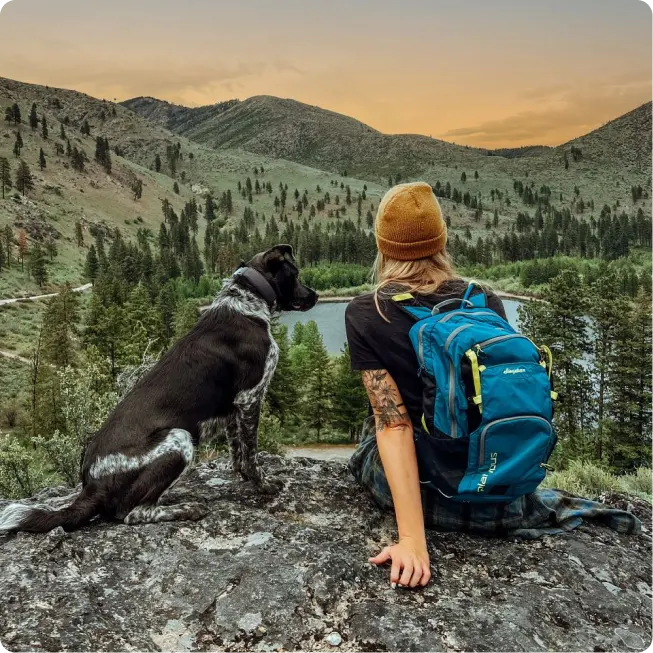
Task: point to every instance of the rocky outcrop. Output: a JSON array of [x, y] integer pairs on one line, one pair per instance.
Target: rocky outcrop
[[290, 572]]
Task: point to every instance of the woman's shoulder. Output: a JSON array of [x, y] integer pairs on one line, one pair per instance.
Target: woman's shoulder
[[361, 305]]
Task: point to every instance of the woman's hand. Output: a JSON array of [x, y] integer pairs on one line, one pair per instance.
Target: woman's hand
[[410, 563]]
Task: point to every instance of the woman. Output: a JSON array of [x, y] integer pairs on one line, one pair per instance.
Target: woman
[[411, 237]]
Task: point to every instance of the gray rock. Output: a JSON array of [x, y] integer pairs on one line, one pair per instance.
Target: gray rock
[[264, 573]]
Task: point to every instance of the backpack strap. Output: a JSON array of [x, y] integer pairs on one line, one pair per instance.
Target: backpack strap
[[416, 312], [479, 300]]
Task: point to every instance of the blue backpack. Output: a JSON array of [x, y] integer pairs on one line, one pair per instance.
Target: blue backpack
[[487, 430]]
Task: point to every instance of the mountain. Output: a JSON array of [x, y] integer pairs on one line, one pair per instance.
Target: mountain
[[175, 117], [284, 128], [624, 141], [331, 141]]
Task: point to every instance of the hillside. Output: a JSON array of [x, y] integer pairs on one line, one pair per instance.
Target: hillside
[[300, 132], [624, 141], [607, 162], [62, 196], [175, 117], [328, 140]]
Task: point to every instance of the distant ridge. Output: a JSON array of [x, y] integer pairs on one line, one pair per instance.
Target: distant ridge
[[286, 128]]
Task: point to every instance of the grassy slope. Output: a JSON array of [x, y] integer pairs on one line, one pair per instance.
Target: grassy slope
[[614, 157]]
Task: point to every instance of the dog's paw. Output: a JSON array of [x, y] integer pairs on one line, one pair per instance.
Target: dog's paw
[[269, 486], [195, 511]]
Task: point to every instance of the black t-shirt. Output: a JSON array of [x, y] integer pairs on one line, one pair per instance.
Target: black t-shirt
[[375, 344]]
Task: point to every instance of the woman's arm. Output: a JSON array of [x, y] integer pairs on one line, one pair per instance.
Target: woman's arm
[[394, 436]]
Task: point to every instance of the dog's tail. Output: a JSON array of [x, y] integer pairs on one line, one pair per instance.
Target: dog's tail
[[19, 517]]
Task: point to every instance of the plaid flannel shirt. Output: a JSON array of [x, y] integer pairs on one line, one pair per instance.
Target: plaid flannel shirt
[[544, 512]]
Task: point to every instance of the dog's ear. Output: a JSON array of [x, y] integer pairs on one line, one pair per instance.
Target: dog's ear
[[278, 254], [243, 264], [286, 250]]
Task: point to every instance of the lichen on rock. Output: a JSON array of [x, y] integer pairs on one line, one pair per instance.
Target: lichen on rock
[[290, 572]]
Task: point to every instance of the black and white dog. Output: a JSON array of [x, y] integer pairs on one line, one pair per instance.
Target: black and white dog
[[214, 378]]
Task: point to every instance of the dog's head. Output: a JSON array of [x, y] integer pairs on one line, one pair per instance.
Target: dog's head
[[279, 267]]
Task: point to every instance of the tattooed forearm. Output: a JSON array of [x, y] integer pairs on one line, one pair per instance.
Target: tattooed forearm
[[386, 401]]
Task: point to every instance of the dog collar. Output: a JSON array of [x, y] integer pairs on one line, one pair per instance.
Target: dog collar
[[260, 284]]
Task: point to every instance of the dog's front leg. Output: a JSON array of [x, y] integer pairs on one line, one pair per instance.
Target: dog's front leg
[[248, 417]]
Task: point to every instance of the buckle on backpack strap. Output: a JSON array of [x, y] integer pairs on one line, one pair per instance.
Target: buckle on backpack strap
[[549, 364]]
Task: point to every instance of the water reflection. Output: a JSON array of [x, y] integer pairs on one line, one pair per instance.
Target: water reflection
[[330, 319]]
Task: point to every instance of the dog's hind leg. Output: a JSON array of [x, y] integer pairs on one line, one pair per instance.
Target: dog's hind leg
[[141, 502], [155, 473]]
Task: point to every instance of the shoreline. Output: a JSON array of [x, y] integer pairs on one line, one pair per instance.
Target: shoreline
[[498, 293]]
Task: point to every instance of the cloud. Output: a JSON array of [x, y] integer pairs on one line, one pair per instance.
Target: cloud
[[177, 82], [560, 112]]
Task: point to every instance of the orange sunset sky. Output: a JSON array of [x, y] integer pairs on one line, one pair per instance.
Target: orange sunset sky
[[491, 73]]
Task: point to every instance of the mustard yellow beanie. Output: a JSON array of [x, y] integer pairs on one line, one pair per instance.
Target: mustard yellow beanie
[[409, 223]]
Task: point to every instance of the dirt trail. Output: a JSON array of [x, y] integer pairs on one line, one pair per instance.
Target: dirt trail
[[34, 298], [8, 354]]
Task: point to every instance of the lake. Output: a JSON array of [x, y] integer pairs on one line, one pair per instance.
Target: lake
[[330, 319]]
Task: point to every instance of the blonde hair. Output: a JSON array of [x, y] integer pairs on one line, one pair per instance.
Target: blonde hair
[[422, 276]]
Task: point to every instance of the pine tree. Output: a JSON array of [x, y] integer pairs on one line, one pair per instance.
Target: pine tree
[[137, 188], [142, 325], [105, 330], [608, 308], [209, 213], [92, 265], [24, 180], [15, 111], [628, 440], [282, 396], [185, 318], [642, 354], [79, 234], [18, 145], [62, 133], [560, 324], [78, 159], [9, 243], [318, 381], [33, 118], [37, 265], [44, 128], [42, 162], [51, 248], [166, 304], [5, 175], [85, 128], [349, 397], [175, 188], [60, 328], [157, 163]]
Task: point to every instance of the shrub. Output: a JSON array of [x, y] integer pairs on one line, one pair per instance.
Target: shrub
[[583, 479], [20, 474], [270, 433], [87, 400], [638, 483]]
